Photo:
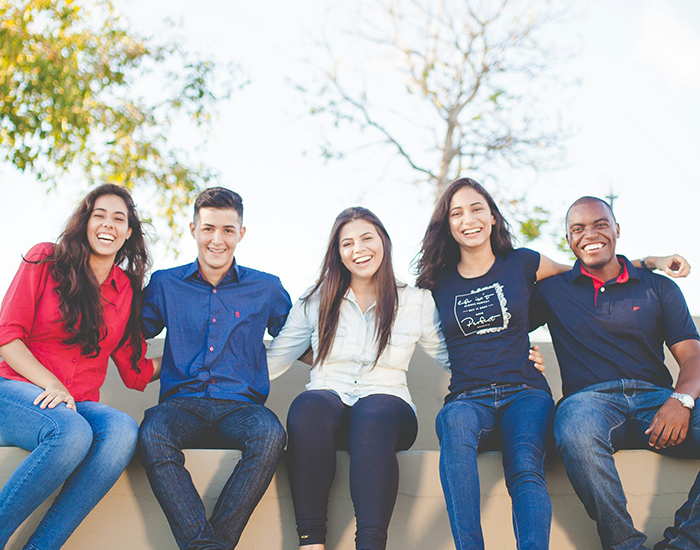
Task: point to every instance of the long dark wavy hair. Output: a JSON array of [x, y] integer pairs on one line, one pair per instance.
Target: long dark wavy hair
[[439, 251], [334, 281], [80, 298]]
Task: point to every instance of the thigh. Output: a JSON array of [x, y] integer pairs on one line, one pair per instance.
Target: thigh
[[26, 425], [589, 416], [239, 425], [382, 418], [316, 408], [525, 427], [466, 420], [178, 421], [528, 419]]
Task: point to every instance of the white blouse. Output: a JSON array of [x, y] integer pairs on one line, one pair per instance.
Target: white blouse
[[348, 370]]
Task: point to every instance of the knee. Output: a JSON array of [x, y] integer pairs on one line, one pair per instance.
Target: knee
[[71, 433], [309, 409], [455, 426], [154, 440], [122, 432], [577, 434], [268, 434]]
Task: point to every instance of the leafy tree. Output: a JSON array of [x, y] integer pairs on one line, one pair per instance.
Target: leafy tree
[[79, 91], [459, 87]]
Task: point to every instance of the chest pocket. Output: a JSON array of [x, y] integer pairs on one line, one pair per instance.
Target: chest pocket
[[340, 343], [398, 353]]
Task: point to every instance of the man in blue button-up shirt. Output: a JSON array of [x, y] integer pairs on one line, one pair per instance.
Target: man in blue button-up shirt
[[214, 378]]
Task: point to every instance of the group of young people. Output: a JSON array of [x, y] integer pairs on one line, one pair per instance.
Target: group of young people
[[76, 303]]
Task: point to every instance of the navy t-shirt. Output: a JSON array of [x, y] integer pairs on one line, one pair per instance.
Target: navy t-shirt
[[615, 333], [485, 323]]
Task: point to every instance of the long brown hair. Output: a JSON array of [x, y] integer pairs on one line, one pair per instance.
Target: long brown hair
[[80, 298], [334, 281], [439, 251]]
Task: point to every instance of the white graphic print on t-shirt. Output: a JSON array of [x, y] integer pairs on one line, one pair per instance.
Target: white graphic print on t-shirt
[[482, 310]]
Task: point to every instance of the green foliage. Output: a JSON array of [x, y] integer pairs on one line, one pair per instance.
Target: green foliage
[[70, 71]]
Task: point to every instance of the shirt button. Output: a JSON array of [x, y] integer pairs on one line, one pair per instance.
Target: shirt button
[[213, 380], [211, 348], [68, 382], [602, 289], [214, 291], [213, 319], [74, 360]]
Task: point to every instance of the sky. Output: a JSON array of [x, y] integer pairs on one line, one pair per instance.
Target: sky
[[635, 114]]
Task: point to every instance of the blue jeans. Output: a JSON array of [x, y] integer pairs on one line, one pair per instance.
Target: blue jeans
[[86, 451], [594, 423], [192, 422], [523, 417]]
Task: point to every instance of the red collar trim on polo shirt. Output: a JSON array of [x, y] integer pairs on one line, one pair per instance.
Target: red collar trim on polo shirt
[[599, 283]]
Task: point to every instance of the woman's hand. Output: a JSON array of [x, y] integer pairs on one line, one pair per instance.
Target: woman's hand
[[54, 394], [674, 265], [537, 358]]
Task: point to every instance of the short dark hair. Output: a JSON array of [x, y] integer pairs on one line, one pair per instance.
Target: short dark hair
[[218, 197], [586, 200]]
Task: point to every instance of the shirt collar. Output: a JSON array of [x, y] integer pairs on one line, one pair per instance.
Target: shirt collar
[[117, 279], [192, 270], [628, 272]]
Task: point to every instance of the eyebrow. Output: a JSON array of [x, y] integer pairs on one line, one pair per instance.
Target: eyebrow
[[105, 211]]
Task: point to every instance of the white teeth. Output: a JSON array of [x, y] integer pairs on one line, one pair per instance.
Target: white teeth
[[593, 246], [472, 231], [105, 237], [362, 259]]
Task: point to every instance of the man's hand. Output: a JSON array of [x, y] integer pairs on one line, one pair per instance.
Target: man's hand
[[537, 358], [54, 394], [675, 266], [669, 426]]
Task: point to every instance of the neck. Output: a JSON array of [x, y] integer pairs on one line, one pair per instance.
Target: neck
[[214, 276], [607, 272], [365, 291], [101, 267], [476, 262]]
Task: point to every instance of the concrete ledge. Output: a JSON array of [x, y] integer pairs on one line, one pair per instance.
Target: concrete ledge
[[130, 517]]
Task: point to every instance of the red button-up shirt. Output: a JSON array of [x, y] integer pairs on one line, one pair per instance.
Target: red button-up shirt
[[30, 313]]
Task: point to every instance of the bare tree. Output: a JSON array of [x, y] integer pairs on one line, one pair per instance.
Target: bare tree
[[472, 76]]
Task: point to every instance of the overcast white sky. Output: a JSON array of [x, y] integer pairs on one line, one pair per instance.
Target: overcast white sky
[[637, 114]]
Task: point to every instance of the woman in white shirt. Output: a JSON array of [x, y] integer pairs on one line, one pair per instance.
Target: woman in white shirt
[[363, 326]]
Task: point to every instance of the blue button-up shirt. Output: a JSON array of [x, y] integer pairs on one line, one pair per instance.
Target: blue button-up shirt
[[214, 342]]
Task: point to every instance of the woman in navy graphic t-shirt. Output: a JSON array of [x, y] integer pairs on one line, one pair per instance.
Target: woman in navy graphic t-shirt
[[482, 288]]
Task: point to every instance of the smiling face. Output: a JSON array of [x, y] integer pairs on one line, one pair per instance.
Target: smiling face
[[470, 219], [217, 232], [361, 249], [108, 227], [592, 235]]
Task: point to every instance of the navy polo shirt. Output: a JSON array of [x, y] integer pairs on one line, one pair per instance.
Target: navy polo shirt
[[615, 332], [214, 342]]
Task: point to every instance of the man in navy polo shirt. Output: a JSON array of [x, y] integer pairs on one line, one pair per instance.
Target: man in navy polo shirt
[[214, 378], [609, 321]]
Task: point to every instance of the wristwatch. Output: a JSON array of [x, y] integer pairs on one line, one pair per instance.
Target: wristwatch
[[686, 400]]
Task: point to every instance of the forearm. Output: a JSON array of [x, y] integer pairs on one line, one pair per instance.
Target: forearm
[[689, 378], [23, 362], [157, 362]]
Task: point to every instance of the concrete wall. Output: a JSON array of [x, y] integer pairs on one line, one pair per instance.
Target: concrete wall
[[129, 517]]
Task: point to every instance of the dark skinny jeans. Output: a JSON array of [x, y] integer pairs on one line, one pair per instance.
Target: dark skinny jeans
[[372, 430]]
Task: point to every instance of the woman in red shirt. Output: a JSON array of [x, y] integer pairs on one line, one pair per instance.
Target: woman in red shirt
[[69, 308]]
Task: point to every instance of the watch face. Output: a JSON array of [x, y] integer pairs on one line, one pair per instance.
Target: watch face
[[687, 401]]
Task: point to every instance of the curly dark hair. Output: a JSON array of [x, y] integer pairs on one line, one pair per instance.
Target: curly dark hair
[[80, 298], [334, 281], [439, 251]]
